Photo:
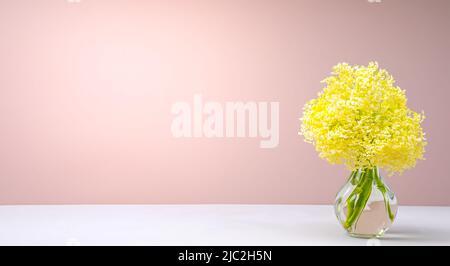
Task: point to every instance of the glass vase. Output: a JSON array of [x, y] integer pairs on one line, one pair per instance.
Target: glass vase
[[365, 206]]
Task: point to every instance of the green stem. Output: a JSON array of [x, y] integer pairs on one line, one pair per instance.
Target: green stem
[[354, 177], [357, 200], [382, 187], [350, 204]]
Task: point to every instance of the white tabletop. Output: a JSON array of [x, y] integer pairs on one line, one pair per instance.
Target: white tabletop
[[207, 225]]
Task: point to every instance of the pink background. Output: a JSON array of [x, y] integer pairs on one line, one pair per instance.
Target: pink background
[[86, 91]]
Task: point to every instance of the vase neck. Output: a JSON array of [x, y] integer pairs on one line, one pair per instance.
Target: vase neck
[[364, 173]]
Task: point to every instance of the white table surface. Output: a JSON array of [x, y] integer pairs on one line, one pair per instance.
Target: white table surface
[[208, 225]]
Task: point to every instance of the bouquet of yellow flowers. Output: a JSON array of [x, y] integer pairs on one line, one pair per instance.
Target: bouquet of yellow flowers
[[361, 120]]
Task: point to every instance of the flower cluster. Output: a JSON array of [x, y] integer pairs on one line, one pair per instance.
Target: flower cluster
[[361, 120]]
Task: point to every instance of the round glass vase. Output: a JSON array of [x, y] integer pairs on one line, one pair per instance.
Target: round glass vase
[[365, 206]]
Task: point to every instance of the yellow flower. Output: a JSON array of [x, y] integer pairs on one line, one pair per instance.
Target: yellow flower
[[361, 120]]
